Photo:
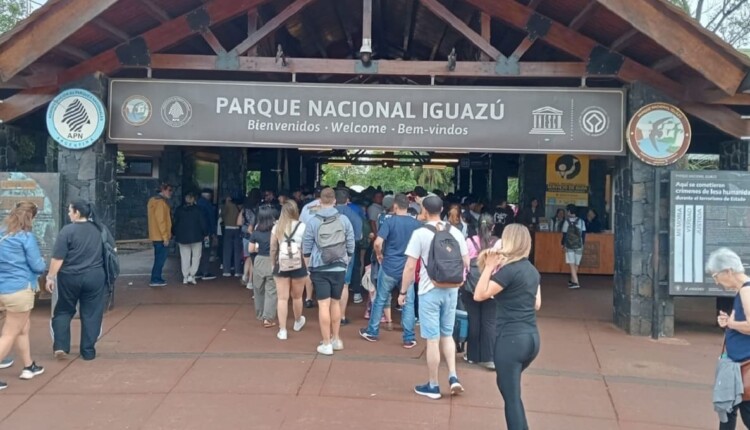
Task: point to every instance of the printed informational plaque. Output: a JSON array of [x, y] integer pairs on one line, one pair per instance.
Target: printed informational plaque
[[709, 210]]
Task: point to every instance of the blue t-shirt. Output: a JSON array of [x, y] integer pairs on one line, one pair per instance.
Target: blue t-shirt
[[396, 231], [738, 344], [355, 219]]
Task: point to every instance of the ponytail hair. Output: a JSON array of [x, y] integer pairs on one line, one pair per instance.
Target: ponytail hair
[[86, 209]]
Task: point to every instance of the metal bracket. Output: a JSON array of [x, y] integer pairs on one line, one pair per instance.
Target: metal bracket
[[361, 69], [198, 20], [227, 61], [602, 61], [538, 26], [507, 66], [134, 53]]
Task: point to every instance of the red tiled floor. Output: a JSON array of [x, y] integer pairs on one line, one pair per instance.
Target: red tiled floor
[[664, 405]]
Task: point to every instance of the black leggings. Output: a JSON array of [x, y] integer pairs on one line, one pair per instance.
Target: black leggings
[[744, 408], [513, 354]]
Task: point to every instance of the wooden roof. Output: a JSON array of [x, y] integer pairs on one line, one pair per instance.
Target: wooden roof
[[543, 42]]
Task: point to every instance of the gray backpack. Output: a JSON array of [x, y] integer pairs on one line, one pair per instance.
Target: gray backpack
[[331, 239]]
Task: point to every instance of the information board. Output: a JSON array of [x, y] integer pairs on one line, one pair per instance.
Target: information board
[[709, 210], [43, 189]]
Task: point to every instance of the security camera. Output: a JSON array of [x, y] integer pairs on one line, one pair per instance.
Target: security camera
[[365, 53]]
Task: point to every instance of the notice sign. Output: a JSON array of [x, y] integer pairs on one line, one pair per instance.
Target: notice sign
[[709, 210], [567, 180], [428, 118]]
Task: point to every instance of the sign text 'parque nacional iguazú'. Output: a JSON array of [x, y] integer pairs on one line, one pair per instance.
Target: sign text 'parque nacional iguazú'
[[486, 119]]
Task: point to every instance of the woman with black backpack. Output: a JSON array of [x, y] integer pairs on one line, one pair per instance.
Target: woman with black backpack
[[289, 270], [77, 272], [481, 339]]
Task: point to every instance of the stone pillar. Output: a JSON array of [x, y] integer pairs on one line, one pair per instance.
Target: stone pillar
[[463, 181], [232, 172], [532, 178], [635, 238], [480, 182], [6, 153], [90, 173], [269, 175], [598, 188], [292, 171], [170, 172], [189, 182]]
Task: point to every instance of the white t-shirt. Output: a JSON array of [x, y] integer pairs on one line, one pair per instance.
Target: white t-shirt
[[298, 235], [419, 248]]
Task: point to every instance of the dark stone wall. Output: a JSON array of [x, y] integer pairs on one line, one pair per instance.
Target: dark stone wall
[[532, 178], [636, 280], [22, 150], [499, 177], [132, 212], [734, 155], [232, 172], [90, 173], [171, 172]]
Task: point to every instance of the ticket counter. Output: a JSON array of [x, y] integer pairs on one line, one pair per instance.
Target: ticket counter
[[598, 253]]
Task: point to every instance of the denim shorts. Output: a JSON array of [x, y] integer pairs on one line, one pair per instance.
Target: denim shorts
[[437, 313], [349, 271]]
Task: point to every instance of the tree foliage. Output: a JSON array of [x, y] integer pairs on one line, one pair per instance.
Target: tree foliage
[[11, 11], [729, 19]]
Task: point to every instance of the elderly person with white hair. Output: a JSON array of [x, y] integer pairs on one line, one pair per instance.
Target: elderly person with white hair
[[726, 269]]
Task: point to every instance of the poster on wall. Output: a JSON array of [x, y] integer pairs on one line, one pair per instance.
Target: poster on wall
[[42, 189], [567, 181], [709, 210]]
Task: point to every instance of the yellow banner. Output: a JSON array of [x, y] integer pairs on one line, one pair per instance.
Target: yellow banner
[[567, 180]]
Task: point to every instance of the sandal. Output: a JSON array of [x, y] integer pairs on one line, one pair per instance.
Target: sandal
[[268, 324], [389, 325]]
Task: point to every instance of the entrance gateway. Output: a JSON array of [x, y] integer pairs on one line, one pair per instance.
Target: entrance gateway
[[194, 91]]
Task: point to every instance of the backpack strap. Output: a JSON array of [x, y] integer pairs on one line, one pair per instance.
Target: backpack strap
[[294, 230], [477, 246]]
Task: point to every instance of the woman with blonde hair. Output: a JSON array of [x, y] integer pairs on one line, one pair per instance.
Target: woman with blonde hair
[[289, 269], [454, 218], [21, 263], [517, 296]]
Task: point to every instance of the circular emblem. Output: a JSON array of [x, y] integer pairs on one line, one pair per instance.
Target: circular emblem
[[137, 110], [176, 112], [568, 166], [659, 134], [75, 119], [594, 121]]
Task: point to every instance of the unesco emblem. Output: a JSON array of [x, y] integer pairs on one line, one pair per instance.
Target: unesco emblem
[[176, 112], [75, 119], [594, 121], [137, 110]]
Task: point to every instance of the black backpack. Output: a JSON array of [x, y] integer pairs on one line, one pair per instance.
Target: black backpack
[[111, 264], [574, 236], [445, 266]]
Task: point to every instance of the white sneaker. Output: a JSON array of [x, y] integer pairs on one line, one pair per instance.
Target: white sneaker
[[358, 299], [192, 280], [298, 324], [249, 286], [244, 279], [185, 281], [282, 335], [325, 349], [338, 344]]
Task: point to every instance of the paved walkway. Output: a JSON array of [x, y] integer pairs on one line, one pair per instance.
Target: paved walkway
[[195, 358]]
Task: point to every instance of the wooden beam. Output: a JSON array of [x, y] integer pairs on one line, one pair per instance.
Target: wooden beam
[[522, 47], [486, 25], [444, 14], [583, 15], [668, 28], [213, 42], [380, 67], [252, 26], [666, 64], [625, 40], [272, 25], [576, 44], [72, 52], [533, 4], [721, 117], [119, 35], [156, 39], [154, 10], [59, 22]]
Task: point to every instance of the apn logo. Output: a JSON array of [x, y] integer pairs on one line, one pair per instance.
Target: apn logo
[[75, 118]]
